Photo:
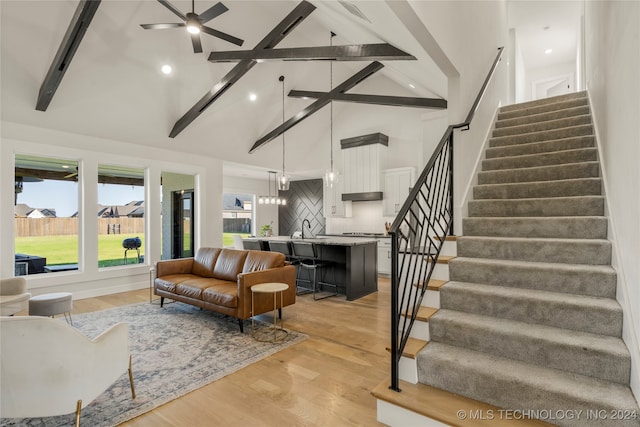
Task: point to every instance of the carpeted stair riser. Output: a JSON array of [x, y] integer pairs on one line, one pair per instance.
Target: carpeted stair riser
[[569, 251], [595, 315], [555, 206], [573, 143], [543, 117], [588, 227], [541, 109], [531, 190], [542, 159], [542, 126], [556, 102], [501, 141], [517, 385], [543, 173], [593, 280], [597, 356]]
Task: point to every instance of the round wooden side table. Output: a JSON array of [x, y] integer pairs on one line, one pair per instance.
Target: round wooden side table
[[279, 333]]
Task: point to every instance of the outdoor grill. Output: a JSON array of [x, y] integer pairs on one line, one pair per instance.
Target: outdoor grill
[[132, 243]]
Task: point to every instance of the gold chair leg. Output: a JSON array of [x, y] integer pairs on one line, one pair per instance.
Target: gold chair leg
[[78, 410], [133, 390]]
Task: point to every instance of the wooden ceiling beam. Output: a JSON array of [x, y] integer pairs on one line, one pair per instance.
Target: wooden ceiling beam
[[75, 32], [279, 32], [396, 101], [322, 100]]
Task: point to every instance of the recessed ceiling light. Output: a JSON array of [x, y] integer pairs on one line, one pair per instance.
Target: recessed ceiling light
[[412, 86], [166, 69], [548, 51], [253, 97]]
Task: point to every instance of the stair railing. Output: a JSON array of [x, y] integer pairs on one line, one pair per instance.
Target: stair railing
[[418, 234]]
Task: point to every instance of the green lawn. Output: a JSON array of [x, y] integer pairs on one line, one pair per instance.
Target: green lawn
[[64, 249]]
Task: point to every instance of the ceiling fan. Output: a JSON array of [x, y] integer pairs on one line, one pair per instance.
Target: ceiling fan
[[195, 24]]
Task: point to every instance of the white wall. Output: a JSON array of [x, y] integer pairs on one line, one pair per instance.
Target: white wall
[[612, 57], [521, 76], [539, 79], [91, 281]]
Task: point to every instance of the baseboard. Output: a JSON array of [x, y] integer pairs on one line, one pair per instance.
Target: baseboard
[[108, 290]]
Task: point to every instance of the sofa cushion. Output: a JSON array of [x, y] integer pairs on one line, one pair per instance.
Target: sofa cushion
[[261, 260], [229, 264], [204, 262], [223, 293], [168, 283], [193, 288]]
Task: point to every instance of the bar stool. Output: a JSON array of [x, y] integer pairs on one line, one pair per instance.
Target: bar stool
[[284, 248], [253, 245], [307, 255]]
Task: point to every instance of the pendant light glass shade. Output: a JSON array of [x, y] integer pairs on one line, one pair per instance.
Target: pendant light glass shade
[[331, 176]]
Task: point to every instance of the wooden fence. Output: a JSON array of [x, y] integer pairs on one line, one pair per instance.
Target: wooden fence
[[29, 227]]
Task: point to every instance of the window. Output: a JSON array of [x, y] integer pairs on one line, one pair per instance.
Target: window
[[46, 215], [237, 216], [121, 216]]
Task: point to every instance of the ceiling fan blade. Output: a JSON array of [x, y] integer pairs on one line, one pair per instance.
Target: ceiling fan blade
[[172, 8], [221, 35], [71, 175], [197, 44], [161, 26], [213, 12]]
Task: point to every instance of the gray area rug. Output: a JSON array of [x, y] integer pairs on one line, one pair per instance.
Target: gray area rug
[[175, 350]]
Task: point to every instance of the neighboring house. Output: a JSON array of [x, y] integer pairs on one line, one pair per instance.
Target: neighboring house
[[25, 211], [134, 209]]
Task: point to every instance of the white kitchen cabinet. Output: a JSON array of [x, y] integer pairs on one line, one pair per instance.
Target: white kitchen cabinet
[[332, 204], [397, 185], [384, 256]]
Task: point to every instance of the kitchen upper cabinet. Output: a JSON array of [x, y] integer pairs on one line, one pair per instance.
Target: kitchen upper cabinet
[[333, 206], [397, 185]]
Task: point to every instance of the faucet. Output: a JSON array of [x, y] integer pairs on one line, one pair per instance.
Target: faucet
[[308, 225]]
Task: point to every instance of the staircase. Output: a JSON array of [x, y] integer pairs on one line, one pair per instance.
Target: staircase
[[529, 319]]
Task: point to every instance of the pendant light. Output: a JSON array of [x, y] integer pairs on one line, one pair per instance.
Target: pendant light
[[272, 199], [331, 176], [284, 179]]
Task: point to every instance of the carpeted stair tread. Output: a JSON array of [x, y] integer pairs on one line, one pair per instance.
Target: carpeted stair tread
[[509, 112], [552, 250], [541, 147], [554, 206], [593, 280], [597, 356], [542, 117], [518, 385], [547, 135], [541, 159], [556, 123], [596, 315], [569, 227], [531, 190], [556, 102], [541, 173]]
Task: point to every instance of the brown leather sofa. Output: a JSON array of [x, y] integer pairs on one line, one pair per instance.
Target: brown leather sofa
[[221, 279]]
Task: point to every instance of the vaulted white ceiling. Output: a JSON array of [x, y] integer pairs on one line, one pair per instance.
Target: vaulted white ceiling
[[114, 88]]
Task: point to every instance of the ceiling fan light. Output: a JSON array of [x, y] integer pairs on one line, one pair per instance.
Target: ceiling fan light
[[193, 29]]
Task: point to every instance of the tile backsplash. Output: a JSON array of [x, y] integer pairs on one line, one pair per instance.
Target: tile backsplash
[[367, 217]]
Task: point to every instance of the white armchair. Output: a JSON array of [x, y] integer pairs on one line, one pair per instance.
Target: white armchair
[[13, 296], [49, 368]]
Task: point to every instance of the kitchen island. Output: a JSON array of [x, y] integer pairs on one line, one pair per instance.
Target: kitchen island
[[355, 261]]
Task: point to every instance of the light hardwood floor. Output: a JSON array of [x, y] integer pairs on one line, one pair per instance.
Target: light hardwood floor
[[324, 381]]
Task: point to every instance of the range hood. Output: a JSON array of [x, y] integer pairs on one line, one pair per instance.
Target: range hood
[[362, 157]]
